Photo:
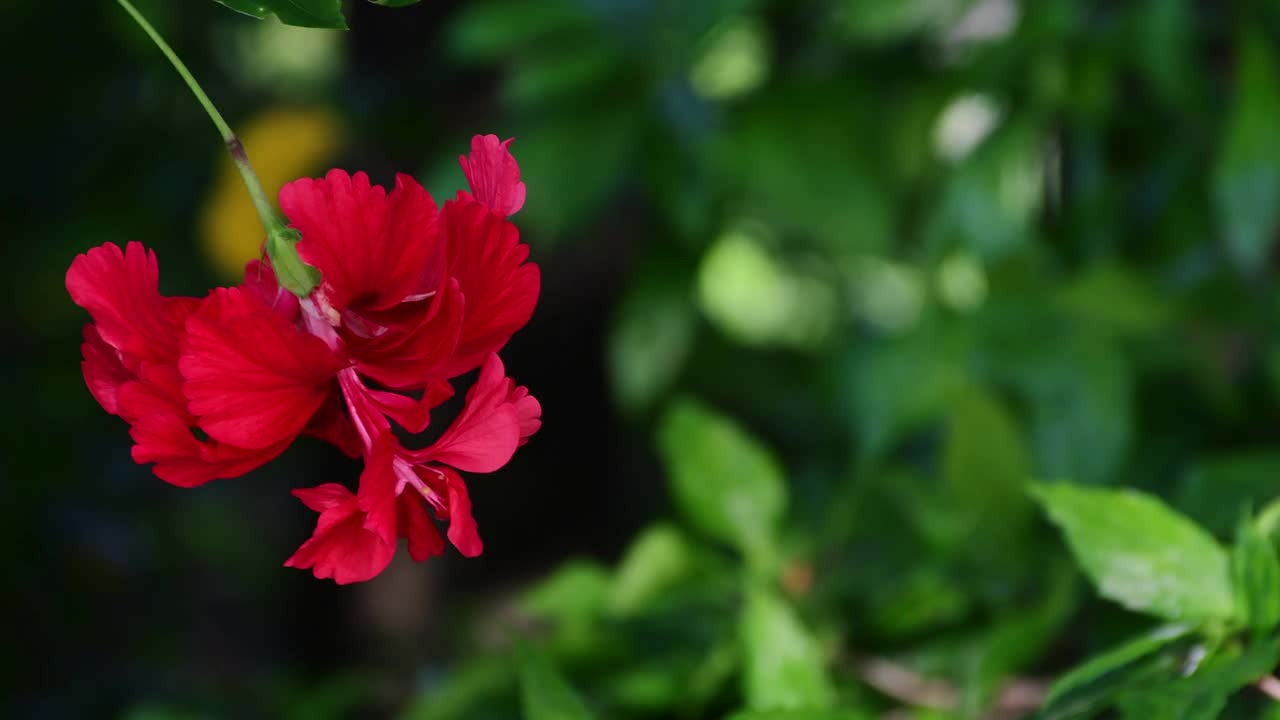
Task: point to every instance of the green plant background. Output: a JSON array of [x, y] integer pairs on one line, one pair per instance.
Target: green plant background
[[897, 358]]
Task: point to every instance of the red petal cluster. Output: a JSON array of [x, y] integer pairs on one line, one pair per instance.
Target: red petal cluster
[[412, 296]]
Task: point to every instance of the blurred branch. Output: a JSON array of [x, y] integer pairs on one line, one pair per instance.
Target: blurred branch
[[1018, 698], [1270, 686]]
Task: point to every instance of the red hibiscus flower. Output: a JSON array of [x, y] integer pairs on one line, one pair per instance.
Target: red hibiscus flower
[[411, 297]]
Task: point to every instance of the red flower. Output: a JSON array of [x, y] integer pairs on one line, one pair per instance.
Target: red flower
[[410, 298]]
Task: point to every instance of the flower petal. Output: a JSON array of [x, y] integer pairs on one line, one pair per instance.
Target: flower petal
[[493, 174], [104, 372], [485, 435], [323, 497], [409, 359], [372, 249], [413, 522], [342, 547], [120, 289], [183, 460], [252, 378], [487, 259], [463, 532]]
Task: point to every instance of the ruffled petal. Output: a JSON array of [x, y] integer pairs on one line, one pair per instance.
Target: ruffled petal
[[184, 460], [493, 174], [252, 379], [342, 547], [485, 435], [487, 260], [120, 289], [373, 249], [408, 358]]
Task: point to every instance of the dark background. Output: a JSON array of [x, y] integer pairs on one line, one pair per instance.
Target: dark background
[[1119, 216]]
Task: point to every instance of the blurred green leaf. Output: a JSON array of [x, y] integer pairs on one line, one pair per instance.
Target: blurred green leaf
[[1117, 299], [989, 200], [466, 689], [568, 192], [792, 140], [1255, 570], [783, 664], [1219, 488], [545, 695], [1082, 410], [1142, 554], [1203, 694], [563, 71], [303, 13], [984, 467], [651, 337], [800, 714], [575, 591], [395, 3], [1096, 683], [487, 30], [726, 482], [1247, 176], [657, 559]]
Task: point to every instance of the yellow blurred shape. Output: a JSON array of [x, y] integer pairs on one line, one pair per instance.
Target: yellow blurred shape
[[283, 144]]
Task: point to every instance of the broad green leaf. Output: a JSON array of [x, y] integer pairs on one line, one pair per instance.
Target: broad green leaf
[[1255, 570], [303, 13], [658, 558], [1247, 177], [726, 482], [650, 339], [783, 663], [1096, 683], [544, 693], [1141, 554], [395, 3], [1219, 488]]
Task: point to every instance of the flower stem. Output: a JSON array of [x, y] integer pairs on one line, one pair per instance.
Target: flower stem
[[291, 272], [270, 219]]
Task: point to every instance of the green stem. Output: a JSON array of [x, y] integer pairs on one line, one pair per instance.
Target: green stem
[[271, 220]]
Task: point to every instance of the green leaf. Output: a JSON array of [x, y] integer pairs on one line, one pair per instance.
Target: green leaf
[[1255, 570], [1096, 683], [724, 480], [1203, 694], [783, 664], [1141, 554], [575, 591], [303, 13], [1247, 177], [1218, 489], [489, 30], [651, 339], [800, 714], [395, 3], [659, 558], [984, 466], [544, 693]]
